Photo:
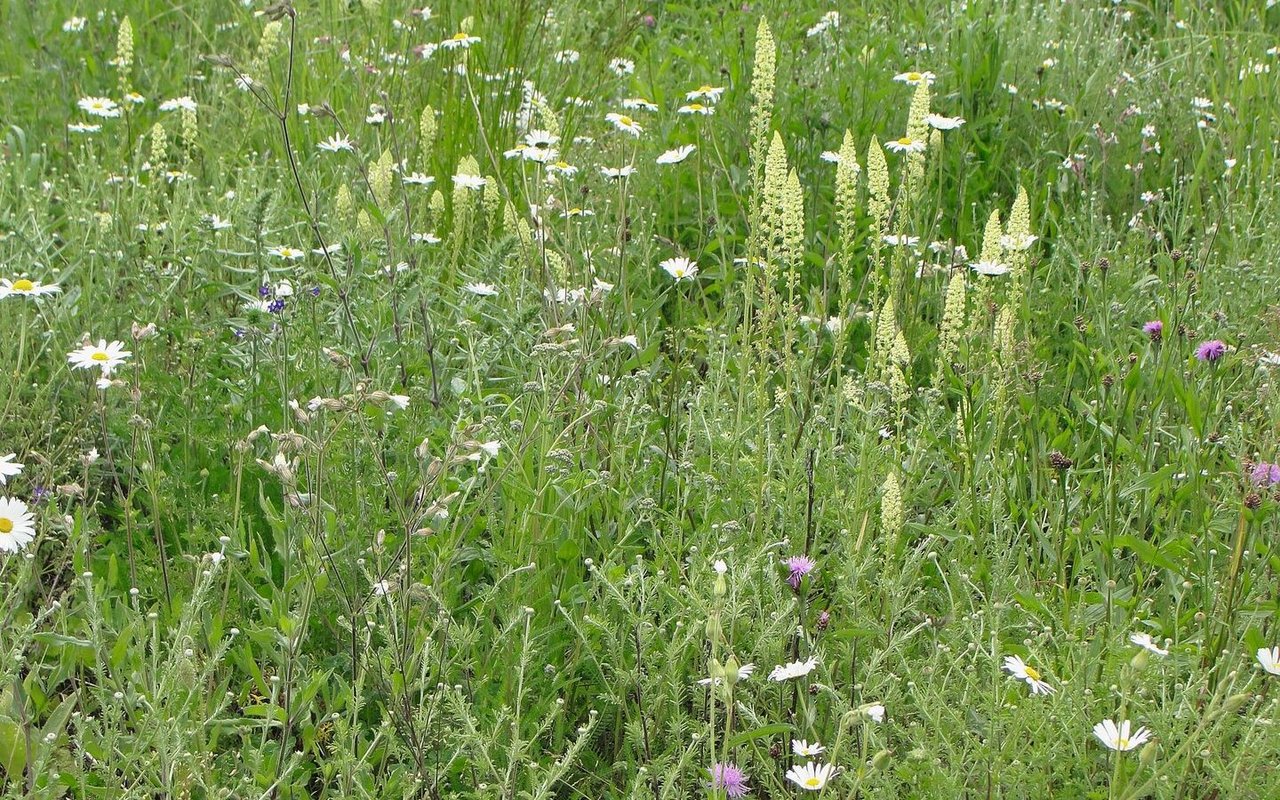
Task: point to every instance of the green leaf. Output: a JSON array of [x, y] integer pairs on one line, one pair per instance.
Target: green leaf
[[763, 732], [13, 747]]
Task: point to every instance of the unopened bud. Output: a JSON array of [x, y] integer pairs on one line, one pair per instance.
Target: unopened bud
[[881, 759]]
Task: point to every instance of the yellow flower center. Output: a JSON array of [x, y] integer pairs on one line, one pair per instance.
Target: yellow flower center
[[625, 120], [23, 285], [906, 141], [6, 525], [704, 88], [1032, 673], [695, 106], [814, 782], [100, 355], [914, 76], [459, 37], [1123, 743]]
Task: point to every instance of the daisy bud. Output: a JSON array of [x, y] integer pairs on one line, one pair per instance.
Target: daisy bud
[[721, 587], [881, 759], [731, 666], [1148, 755], [1139, 660]]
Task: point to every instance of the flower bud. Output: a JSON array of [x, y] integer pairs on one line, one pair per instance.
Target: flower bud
[[881, 759], [1147, 756]]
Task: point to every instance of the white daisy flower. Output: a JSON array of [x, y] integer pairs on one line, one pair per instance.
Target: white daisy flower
[[942, 123], [1120, 737], [622, 67], [914, 78], [706, 92], [26, 287], [285, 252], [812, 777], [696, 108], [418, 179], [481, 289], [681, 268], [624, 123], [1269, 659], [905, 144], [17, 526], [9, 468], [336, 143], [1019, 669], [989, 268], [795, 669], [615, 173], [99, 106], [102, 355], [469, 181], [184, 103], [639, 104], [460, 40], [802, 748], [676, 155]]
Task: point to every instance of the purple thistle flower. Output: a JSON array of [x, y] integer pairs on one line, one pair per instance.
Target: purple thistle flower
[[731, 779], [799, 566], [1211, 350], [1154, 329], [1265, 474]]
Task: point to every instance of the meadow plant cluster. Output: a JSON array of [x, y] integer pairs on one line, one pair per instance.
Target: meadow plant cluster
[[515, 399]]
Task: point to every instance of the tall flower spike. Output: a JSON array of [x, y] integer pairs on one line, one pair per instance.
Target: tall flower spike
[[878, 201], [953, 322], [426, 138], [763, 78], [159, 148], [381, 174], [892, 516], [846, 206], [124, 56]]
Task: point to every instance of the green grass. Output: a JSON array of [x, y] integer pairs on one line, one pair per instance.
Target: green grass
[[236, 592]]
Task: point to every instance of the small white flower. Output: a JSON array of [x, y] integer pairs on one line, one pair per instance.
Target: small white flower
[[794, 669], [1145, 641], [802, 748], [460, 40], [1120, 737], [622, 67], [184, 103], [469, 181], [706, 92], [617, 173], [9, 468], [939, 122], [989, 268], [418, 179], [336, 143], [480, 289], [873, 711], [1269, 659], [719, 566], [676, 155]]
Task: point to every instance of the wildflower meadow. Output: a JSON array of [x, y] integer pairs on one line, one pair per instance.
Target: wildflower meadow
[[531, 400]]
